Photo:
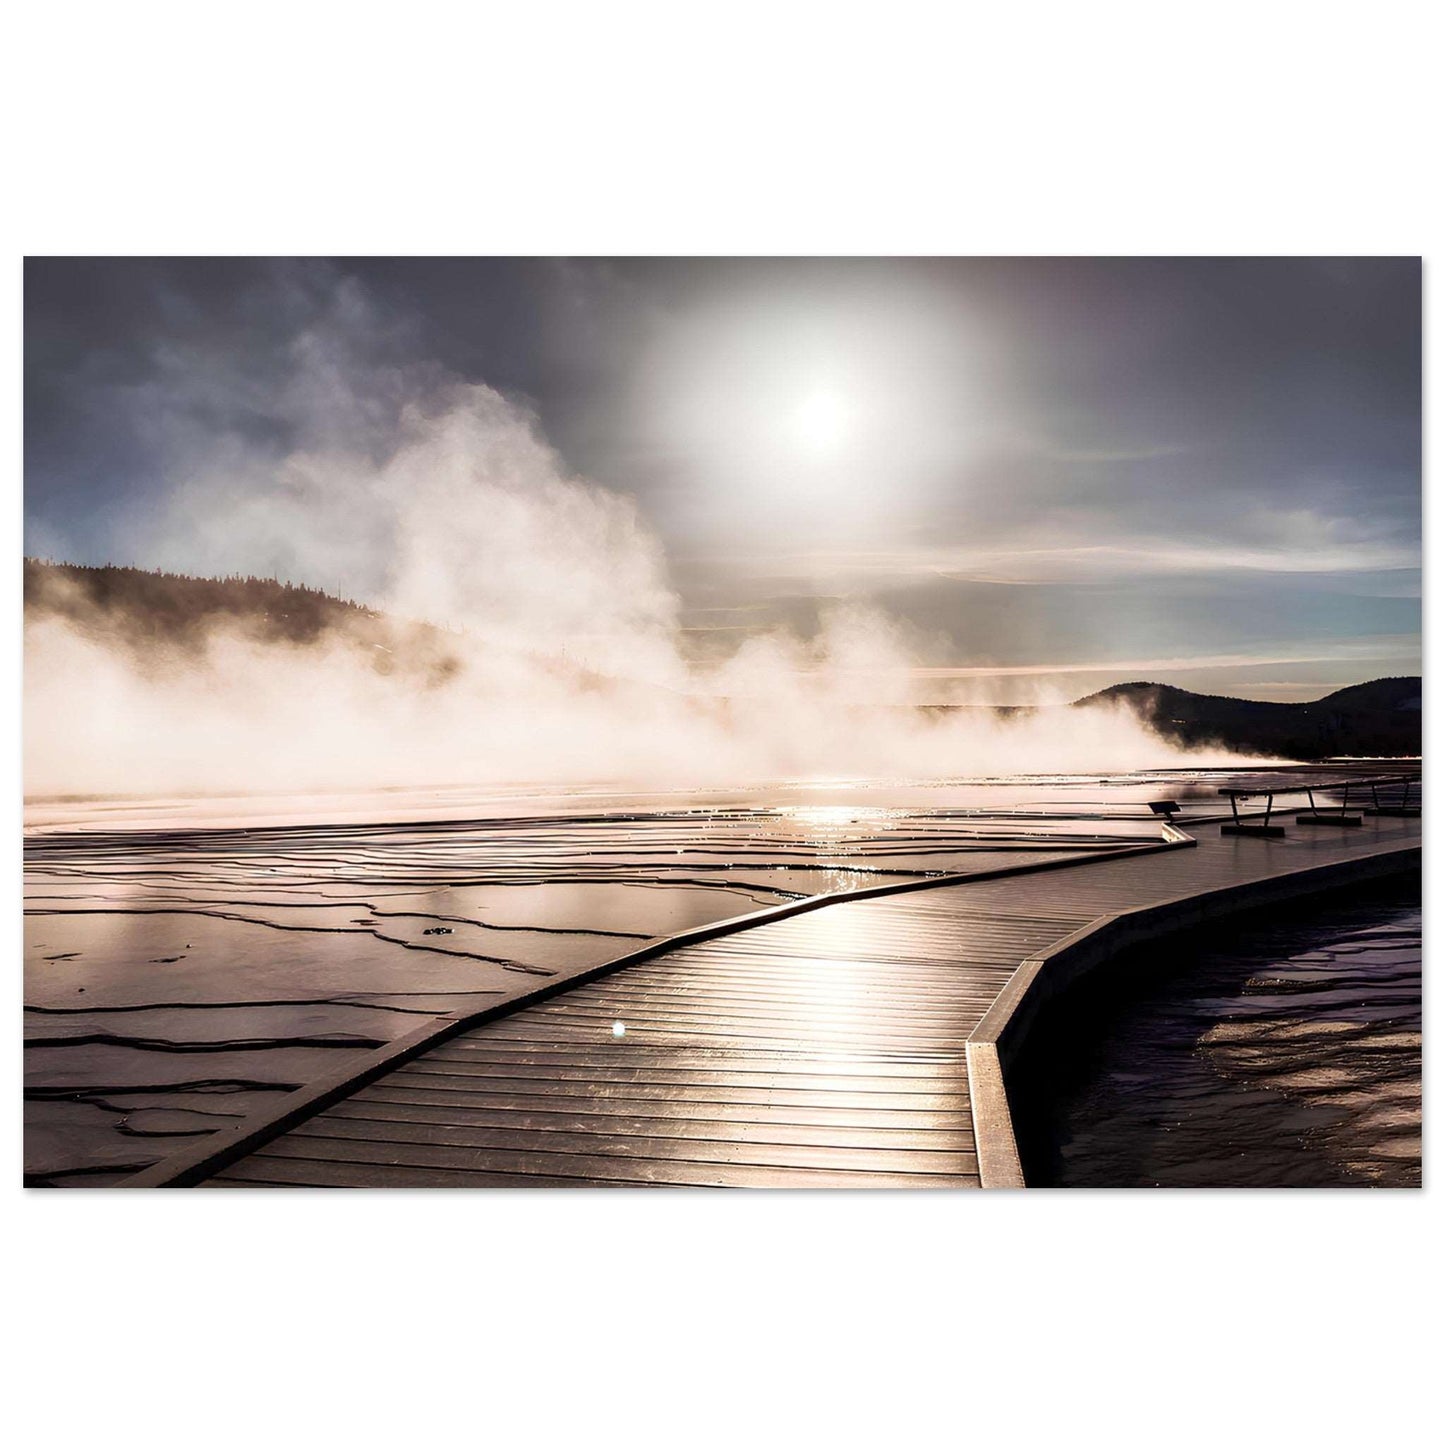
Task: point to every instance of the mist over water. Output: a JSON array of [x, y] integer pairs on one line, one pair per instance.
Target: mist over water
[[555, 652]]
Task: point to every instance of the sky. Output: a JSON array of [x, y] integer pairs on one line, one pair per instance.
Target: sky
[[1046, 473]]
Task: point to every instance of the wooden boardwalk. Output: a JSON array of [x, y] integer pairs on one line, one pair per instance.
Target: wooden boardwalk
[[825, 1049]]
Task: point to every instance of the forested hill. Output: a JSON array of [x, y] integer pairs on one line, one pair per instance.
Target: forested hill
[[172, 606], [159, 616], [1372, 719]]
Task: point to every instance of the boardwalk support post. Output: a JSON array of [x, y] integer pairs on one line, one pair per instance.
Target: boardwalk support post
[[1341, 818]]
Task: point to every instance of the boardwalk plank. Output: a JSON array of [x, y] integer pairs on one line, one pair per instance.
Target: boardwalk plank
[[274, 1171], [545, 1159], [266, 1171], [460, 1107], [760, 1094], [502, 1126], [776, 1070]]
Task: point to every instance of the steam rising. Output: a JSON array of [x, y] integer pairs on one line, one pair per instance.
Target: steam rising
[[555, 652]]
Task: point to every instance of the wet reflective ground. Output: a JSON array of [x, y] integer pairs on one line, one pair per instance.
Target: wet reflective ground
[[186, 960], [1281, 1053]]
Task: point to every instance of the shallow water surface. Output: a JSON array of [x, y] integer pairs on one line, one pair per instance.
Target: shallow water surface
[[186, 960], [1278, 1052]]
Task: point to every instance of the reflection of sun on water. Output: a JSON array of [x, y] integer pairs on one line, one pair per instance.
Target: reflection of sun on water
[[836, 817], [841, 830]]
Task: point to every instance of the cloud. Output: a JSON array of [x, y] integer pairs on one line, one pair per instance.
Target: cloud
[[1105, 455], [1288, 543], [1373, 649]]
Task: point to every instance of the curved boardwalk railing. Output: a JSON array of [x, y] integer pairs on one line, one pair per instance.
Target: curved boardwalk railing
[[855, 1040]]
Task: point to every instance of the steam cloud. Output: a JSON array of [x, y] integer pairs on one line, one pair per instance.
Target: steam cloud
[[563, 657]]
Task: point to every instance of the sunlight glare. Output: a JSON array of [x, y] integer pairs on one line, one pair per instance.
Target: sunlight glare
[[822, 421]]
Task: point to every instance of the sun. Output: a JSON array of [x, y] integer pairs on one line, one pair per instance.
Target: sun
[[821, 421]]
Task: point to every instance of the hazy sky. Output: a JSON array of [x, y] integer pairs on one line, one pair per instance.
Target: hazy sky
[[1198, 471]]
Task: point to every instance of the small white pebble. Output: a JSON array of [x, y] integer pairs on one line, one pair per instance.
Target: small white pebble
[[618, 1029]]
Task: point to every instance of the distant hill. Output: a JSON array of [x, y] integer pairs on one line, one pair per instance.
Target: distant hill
[[175, 606], [1373, 719], [153, 613], [156, 615]]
